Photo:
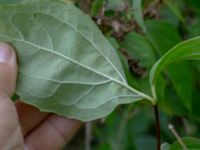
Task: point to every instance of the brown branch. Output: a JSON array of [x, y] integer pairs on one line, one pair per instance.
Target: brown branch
[[88, 135], [158, 136]]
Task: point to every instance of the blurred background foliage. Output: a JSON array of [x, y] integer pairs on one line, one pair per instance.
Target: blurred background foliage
[[141, 31]]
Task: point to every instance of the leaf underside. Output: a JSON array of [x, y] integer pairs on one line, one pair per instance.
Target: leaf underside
[[66, 66]]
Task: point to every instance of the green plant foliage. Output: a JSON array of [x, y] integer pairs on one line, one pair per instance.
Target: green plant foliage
[[163, 37], [183, 51], [10, 1], [68, 67], [190, 143], [184, 89], [96, 7], [194, 29], [137, 8], [175, 9], [115, 5], [139, 48], [140, 51]]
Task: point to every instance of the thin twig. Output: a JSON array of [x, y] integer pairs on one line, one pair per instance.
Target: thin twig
[[171, 127], [88, 135], [157, 126]]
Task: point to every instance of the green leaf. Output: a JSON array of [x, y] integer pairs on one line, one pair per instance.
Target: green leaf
[[196, 94], [195, 6], [181, 76], [139, 48], [10, 1], [96, 7], [185, 50], [161, 35], [115, 4], [171, 103], [167, 15], [190, 142], [175, 9], [141, 51], [193, 28], [66, 66], [144, 142], [137, 8]]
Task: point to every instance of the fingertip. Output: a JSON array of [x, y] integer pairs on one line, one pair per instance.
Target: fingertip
[[8, 69], [7, 53]]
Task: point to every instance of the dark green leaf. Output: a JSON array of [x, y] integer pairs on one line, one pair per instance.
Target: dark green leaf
[[96, 7], [141, 51], [174, 8], [161, 35], [193, 28], [115, 4], [190, 143], [181, 75], [138, 15]]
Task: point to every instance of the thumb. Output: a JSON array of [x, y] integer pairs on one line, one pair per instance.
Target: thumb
[[10, 131], [8, 70]]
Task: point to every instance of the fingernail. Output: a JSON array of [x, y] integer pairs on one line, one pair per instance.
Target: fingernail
[[5, 52]]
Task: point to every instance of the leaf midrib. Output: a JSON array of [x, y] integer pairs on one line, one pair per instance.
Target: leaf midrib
[[95, 46], [82, 65], [61, 82]]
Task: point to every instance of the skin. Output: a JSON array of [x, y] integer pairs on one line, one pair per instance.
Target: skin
[[23, 126]]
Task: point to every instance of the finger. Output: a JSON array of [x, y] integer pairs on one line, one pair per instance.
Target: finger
[[53, 133], [8, 70], [10, 129], [29, 117]]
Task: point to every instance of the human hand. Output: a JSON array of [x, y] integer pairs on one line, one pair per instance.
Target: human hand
[[23, 126]]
